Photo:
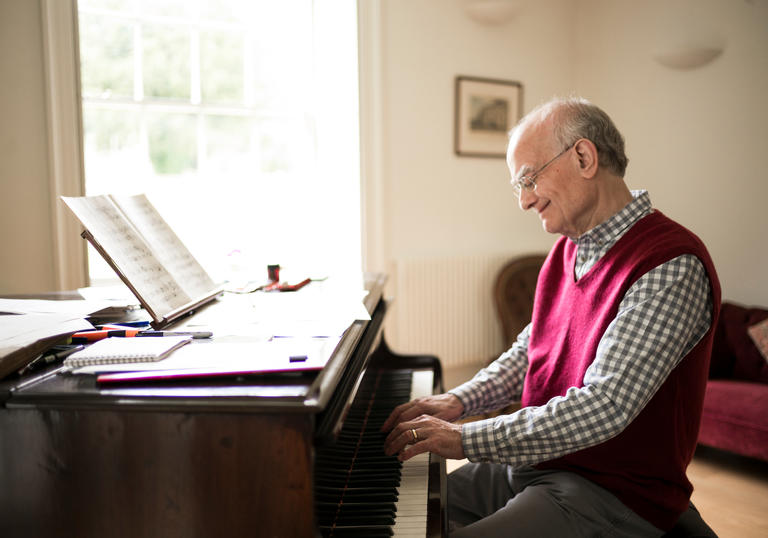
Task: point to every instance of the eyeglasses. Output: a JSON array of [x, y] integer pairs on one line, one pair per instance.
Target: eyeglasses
[[528, 182]]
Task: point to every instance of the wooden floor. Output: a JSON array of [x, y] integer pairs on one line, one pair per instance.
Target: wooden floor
[[730, 491]]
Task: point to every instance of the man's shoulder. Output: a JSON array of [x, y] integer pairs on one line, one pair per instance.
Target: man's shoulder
[[658, 231]]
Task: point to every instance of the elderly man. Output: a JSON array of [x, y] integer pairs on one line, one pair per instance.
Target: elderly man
[[611, 370]]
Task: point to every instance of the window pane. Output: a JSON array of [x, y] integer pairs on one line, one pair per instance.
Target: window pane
[[221, 67], [106, 52], [167, 8], [282, 145], [112, 147], [225, 10], [172, 142], [239, 110], [283, 66], [228, 143], [166, 61], [112, 5]]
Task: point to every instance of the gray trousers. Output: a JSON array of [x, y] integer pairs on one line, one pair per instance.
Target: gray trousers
[[488, 499]]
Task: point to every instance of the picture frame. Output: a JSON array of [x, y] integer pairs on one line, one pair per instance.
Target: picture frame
[[486, 109]]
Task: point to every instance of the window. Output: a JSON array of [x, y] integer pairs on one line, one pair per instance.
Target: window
[[238, 118]]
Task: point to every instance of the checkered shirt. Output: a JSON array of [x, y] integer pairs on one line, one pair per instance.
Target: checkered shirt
[[672, 302]]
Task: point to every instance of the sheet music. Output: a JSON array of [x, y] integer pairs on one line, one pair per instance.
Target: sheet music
[[167, 246], [129, 252]]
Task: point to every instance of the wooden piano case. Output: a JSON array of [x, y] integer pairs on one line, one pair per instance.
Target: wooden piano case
[[230, 458]]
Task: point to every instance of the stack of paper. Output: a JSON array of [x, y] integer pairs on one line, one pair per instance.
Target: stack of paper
[[24, 336]]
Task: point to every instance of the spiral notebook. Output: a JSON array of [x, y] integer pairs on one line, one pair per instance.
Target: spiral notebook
[[119, 350]]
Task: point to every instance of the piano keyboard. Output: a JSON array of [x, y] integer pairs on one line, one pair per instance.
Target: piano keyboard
[[358, 490], [411, 507]]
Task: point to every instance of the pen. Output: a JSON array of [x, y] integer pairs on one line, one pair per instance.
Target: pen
[[193, 334], [31, 365], [133, 323], [122, 326], [49, 358], [84, 337], [63, 354]]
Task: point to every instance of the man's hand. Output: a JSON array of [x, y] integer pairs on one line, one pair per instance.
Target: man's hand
[[430, 418], [425, 434], [445, 406]]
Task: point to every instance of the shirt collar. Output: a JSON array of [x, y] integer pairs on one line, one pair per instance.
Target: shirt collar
[[611, 229]]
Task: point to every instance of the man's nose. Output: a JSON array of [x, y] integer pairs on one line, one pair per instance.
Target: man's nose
[[527, 199]]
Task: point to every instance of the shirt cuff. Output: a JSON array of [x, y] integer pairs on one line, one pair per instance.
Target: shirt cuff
[[464, 393], [477, 440]]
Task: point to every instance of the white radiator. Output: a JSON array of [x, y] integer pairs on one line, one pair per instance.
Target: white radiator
[[444, 307]]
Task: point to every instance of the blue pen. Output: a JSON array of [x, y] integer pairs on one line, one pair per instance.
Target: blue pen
[[131, 323], [193, 334]]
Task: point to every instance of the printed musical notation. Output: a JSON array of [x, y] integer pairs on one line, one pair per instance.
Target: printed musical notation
[[140, 245], [166, 245]]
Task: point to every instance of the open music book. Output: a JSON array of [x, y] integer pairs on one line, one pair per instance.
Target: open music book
[[146, 254]]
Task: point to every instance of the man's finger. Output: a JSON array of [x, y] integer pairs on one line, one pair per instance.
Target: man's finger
[[394, 417], [402, 413], [410, 451], [398, 439]]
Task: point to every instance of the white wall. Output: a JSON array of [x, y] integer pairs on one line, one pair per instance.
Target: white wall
[[26, 257], [436, 202], [696, 139]]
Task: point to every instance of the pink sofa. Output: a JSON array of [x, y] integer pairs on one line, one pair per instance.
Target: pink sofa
[[735, 416]]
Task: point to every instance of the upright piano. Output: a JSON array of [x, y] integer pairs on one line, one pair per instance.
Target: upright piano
[[283, 456]]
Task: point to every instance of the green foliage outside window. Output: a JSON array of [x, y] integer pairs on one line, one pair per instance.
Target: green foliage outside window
[[221, 67], [191, 100], [111, 130], [166, 62], [172, 143], [106, 53]]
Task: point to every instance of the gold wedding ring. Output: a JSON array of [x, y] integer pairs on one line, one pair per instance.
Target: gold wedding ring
[[415, 435]]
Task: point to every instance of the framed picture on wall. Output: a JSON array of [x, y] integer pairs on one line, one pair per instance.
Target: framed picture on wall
[[485, 110]]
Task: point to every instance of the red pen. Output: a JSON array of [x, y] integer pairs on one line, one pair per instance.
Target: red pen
[[93, 336]]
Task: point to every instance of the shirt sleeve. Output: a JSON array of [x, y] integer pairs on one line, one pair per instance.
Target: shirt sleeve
[[660, 319], [500, 383]]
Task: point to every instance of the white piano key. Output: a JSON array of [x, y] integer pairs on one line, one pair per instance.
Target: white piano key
[[411, 507]]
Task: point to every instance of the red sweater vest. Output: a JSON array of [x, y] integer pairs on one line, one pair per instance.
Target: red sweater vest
[[644, 466]]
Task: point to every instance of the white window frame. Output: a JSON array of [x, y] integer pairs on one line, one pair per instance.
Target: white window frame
[[65, 135]]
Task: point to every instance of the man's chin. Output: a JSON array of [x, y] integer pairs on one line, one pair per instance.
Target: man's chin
[[549, 226]]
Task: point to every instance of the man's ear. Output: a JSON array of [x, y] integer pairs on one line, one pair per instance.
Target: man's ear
[[586, 152]]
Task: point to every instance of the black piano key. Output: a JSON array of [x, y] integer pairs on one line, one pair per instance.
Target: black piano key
[[372, 531], [371, 495], [328, 511], [364, 519], [351, 452], [358, 463], [361, 481], [333, 506]]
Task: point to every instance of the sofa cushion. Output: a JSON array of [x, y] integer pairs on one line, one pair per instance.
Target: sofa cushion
[[734, 354], [734, 417]]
